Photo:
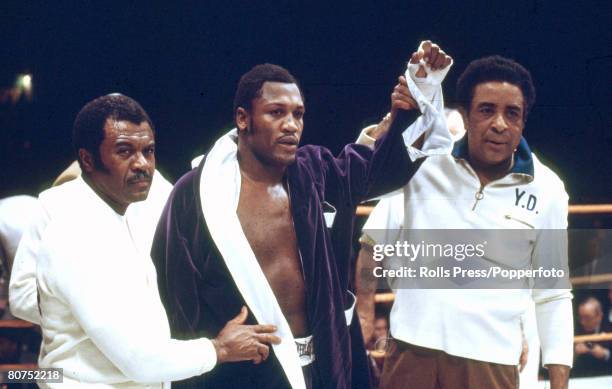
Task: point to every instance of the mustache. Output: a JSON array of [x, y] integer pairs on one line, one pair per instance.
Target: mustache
[[140, 176]]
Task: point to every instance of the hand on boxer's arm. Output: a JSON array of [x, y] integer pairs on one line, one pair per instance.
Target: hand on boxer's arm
[[239, 342], [400, 99]]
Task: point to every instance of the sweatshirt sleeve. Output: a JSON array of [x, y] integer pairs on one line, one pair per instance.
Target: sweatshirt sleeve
[[553, 298]]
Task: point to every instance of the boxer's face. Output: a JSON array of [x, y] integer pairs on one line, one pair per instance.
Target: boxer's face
[[274, 124], [127, 156], [495, 122]]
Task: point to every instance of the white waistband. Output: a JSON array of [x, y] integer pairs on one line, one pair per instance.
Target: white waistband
[[305, 348]]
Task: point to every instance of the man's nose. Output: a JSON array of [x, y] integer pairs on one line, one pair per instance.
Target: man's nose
[[290, 124], [499, 123], [141, 162]]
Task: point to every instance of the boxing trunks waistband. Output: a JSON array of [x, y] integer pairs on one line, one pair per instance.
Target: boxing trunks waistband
[[305, 349]]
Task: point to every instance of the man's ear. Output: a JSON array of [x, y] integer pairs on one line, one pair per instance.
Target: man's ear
[[87, 161], [242, 119]]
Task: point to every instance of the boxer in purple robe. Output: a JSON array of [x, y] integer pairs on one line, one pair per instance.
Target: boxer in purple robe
[[248, 227]]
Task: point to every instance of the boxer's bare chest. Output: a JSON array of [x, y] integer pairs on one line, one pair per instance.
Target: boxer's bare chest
[[265, 215]]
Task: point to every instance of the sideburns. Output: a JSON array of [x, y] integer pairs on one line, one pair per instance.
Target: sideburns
[[250, 128], [99, 165]]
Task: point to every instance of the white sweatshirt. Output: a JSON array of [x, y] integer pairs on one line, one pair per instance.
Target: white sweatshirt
[[481, 324]]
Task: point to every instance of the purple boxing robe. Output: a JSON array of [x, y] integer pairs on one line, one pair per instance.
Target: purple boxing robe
[[200, 293]]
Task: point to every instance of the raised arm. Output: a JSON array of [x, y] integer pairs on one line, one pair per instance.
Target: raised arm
[[362, 176], [427, 69]]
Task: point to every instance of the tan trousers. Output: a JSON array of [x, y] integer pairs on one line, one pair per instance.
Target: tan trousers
[[411, 367]]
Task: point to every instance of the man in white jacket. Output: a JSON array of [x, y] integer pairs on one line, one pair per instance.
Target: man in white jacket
[[100, 311], [491, 181], [143, 215]]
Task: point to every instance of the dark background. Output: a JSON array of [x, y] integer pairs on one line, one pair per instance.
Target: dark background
[[182, 61]]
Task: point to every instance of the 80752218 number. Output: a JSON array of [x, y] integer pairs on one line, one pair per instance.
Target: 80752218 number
[[27, 376]]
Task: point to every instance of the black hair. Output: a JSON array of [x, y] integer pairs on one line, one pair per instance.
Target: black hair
[[495, 68], [251, 82], [88, 127]]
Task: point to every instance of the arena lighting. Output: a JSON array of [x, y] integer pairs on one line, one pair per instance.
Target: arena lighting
[[24, 84], [26, 81]]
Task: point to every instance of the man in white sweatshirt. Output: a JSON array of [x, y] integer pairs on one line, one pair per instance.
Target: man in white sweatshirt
[[472, 338], [100, 311]]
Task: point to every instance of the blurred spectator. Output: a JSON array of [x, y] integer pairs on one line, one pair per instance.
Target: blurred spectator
[[72, 172], [592, 359], [16, 213], [609, 315], [381, 332]]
